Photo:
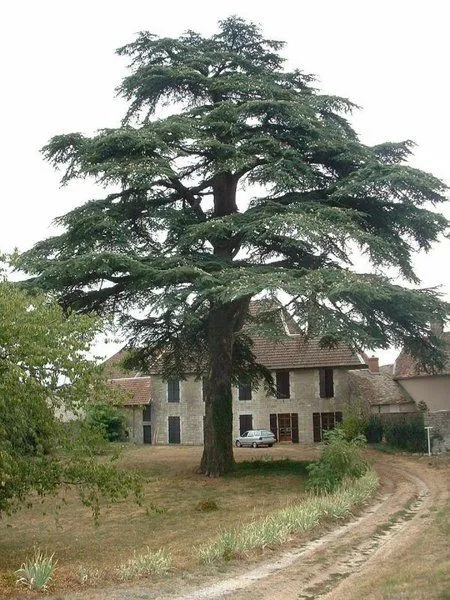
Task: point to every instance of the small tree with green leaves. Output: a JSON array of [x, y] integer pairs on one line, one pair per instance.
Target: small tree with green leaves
[[250, 181], [45, 377], [107, 419], [341, 459]]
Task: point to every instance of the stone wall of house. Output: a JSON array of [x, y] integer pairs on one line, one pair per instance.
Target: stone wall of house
[[440, 422], [304, 400]]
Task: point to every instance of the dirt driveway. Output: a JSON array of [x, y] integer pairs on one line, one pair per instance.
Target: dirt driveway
[[342, 563]]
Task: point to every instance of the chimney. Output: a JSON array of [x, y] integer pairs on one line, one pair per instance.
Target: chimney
[[373, 365]]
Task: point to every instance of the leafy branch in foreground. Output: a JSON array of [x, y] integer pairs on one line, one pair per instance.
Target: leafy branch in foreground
[[46, 381]]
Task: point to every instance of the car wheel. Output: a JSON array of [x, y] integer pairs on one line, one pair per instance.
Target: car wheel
[[238, 443], [270, 445], [254, 445]]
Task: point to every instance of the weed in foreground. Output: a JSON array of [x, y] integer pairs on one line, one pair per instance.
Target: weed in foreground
[[148, 563], [37, 572], [207, 506], [89, 576]]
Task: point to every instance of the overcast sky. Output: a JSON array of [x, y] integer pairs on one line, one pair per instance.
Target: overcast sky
[[59, 72]]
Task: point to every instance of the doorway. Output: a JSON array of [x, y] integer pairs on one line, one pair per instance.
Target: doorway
[[285, 427]]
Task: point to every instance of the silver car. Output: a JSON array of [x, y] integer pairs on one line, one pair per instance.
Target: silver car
[[255, 438]]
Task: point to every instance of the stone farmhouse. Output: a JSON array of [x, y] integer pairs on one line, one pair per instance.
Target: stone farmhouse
[[312, 392]]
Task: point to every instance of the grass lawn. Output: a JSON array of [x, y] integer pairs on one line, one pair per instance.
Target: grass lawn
[[168, 518]]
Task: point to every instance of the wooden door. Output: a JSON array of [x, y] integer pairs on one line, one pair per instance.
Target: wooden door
[[274, 425], [245, 423], [327, 421], [317, 430], [284, 427], [147, 434], [174, 430]]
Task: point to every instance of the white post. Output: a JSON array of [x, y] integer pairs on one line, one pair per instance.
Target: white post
[[428, 438]]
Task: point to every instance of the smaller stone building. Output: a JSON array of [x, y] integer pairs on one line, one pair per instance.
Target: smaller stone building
[[375, 389]]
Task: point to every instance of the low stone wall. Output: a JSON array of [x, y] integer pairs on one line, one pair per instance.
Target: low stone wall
[[440, 422]]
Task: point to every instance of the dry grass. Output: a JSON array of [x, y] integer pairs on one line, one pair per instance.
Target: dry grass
[[168, 517], [421, 571]]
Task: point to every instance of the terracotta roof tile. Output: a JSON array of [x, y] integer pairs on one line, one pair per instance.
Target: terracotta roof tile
[[113, 368], [297, 353], [138, 389]]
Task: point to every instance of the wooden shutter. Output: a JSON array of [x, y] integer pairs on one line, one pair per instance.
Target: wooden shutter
[[294, 427], [245, 391], [283, 387], [273, 425], [326, 382], [245, 423], [322, 383], [338, 417], [317, 433], [174, 430], [329, 382], [147, 434], [173, 390]]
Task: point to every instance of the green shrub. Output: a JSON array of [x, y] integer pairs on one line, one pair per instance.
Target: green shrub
[[407, 433], [353, 427], [341, 459], [109, 420], [36, 573], [374, 430]]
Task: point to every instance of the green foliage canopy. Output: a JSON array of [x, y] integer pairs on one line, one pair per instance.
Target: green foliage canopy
[[45, 377], [175, 238], [232, 177]]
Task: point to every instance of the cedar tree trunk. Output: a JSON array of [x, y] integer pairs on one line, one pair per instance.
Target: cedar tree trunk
[[224, 321]]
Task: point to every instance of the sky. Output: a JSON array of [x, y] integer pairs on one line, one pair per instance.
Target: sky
[[59, 73]]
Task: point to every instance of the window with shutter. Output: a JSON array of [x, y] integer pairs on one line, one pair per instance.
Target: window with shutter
[[283, 386], [173, 390], [326, 382], [245, 391]]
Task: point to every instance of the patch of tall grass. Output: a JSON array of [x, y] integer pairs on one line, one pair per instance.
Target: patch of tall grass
[[149, 562], [280, 525]]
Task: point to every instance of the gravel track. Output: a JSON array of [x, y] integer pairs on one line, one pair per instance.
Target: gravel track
[[327, 567]]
